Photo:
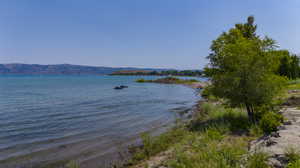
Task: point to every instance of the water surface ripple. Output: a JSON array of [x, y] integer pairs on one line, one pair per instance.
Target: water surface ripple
[[42, 112]]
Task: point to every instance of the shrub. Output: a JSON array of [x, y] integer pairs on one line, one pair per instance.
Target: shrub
[[206, 92], [255, 130], [270, 121]]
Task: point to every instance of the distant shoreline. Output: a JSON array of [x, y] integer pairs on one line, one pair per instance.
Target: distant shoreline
[[65, 69]]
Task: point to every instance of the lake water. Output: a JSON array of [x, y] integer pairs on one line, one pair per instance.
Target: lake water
[[40, 113]]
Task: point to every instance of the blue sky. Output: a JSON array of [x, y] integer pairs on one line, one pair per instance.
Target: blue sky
[[136, 33]]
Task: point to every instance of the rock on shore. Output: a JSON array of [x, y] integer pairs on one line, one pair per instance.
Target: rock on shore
[[278, 143]]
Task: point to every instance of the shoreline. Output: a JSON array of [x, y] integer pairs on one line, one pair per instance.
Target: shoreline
[[87, 151]]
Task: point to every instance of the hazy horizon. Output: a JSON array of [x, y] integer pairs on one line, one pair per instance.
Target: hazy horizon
[[144, 34], [100, 66]]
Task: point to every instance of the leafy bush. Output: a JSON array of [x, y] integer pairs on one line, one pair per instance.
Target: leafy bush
[[255, 130], [270, 121], [207, 93]]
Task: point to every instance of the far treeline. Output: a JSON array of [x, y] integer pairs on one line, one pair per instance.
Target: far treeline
[[250, 71], [161, 73]]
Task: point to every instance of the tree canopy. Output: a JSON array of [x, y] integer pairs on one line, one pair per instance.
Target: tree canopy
[[289, 64], [242, 67]]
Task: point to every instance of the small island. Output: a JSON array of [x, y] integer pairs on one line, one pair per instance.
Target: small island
[[172, 80]]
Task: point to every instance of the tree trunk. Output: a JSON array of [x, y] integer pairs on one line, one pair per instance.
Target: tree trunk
[[250, 112]]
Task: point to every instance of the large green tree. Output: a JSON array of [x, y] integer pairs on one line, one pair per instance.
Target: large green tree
[[242, 68]]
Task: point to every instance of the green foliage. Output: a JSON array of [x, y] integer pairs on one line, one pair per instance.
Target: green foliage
[[207, 93], [243, 68], [214, 134], [292, 154], [181, 73], [289, 64], [210, 140], [220, 118], [204, 150], [270, 121], [258, 160], [255, 130], [156, 144], [293, 157], [141, 80], [72, 164], [295, 164], [266, 108], [209, 71], [294, 84]]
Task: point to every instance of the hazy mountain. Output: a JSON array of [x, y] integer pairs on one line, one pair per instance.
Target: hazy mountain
[[62, 69]]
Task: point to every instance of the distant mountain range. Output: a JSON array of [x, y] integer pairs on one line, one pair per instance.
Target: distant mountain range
[[64, 69]]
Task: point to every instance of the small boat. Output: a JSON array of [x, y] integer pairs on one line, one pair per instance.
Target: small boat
[[123, 86], [120, 87]]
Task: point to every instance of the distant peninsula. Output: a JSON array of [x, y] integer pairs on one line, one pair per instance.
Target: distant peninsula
[[65, 69]]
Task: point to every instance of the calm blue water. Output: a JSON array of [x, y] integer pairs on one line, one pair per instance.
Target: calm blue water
[[41, 112]]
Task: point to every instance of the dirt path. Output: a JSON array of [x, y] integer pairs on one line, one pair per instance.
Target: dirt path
[[286, 138]]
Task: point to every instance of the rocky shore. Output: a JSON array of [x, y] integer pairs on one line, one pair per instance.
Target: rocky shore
[[279, 144]]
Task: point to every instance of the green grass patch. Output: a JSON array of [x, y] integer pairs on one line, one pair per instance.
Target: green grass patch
[[292, 154], [295, 164], [226, 120], [257, 160], [153, 145], [204, 150], [217, 137], [293, 84]]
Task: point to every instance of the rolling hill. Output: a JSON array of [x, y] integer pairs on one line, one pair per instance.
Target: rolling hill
[[64, 69]]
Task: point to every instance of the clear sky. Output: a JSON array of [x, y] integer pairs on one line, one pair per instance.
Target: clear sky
[[136, 33]]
